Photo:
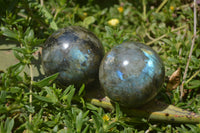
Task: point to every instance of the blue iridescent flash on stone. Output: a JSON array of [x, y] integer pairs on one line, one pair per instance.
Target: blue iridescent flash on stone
[[131, 74], [73, 52]]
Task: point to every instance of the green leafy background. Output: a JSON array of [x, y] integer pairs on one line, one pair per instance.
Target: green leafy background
[[166, 26]]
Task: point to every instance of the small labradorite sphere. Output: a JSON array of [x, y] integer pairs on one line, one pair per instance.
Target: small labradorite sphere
[[131, 74], [73, 52]]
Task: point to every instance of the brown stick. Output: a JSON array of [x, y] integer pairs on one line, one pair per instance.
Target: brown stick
[[190, 54]]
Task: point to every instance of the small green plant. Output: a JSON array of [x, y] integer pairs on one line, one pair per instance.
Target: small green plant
[[34, 105]]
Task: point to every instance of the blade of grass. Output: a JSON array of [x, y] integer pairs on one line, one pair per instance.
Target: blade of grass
[[196, 73]]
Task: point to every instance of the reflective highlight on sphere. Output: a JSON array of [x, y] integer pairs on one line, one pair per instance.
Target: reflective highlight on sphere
[[131, 74], [75, 53]]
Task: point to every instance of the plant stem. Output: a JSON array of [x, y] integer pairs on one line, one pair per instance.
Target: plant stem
[[161, 5], [144, 10], [57, 11], [190, 54], [30, 91], [196, 73], [174, 30], [41, 2]]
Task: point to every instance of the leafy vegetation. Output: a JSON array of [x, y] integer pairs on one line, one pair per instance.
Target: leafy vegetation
[[28, 105]]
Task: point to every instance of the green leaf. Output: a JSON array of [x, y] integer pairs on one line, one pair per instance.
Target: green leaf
[[37, 118], [168, 42], [91, 107], [79, 122], [70, 95], [86, 113], [18, 56], [29, 108], [63, 131], [98, 119], [96, 122], [64, 94], [62, 2], [46, 81], [110, 126], [42, 98], [53, 25], [16, 69], [82, 101], [86, 129], [20, 50], [194, 84], [3, 109], [195, 60], [55, 129], [9, 125], [29, 35], [173, 60], [197, 52], [81, 89], [109, 31], [3, 95], [50, 97], [51, 94], [15, 89], [118, 112], [9, 33], [49, 17], [88, 21], [101, 130]]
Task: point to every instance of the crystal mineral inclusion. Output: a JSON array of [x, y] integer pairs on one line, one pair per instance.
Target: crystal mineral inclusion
[[73, 52], [131, 74]]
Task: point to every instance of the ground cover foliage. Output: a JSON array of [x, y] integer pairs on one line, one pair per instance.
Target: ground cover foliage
[[29, 105]]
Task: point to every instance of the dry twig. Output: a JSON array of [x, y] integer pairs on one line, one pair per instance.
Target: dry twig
[[30, 91], [190, 54], [41, 2]]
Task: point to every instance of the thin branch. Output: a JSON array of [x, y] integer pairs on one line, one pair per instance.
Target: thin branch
[[41, 2], [144, 10], [30, 91], [151, 38], [161, 5], [161, 37], [57, 11], [190, 54]]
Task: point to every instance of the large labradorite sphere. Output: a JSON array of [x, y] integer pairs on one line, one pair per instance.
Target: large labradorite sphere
[[73, 52], [131, 74]]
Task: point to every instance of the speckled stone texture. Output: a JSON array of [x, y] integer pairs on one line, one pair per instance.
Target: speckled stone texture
[[75, 53], [131, 74]]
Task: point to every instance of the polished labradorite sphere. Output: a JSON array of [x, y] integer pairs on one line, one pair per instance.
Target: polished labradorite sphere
[[73, 52], [131, 74]]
